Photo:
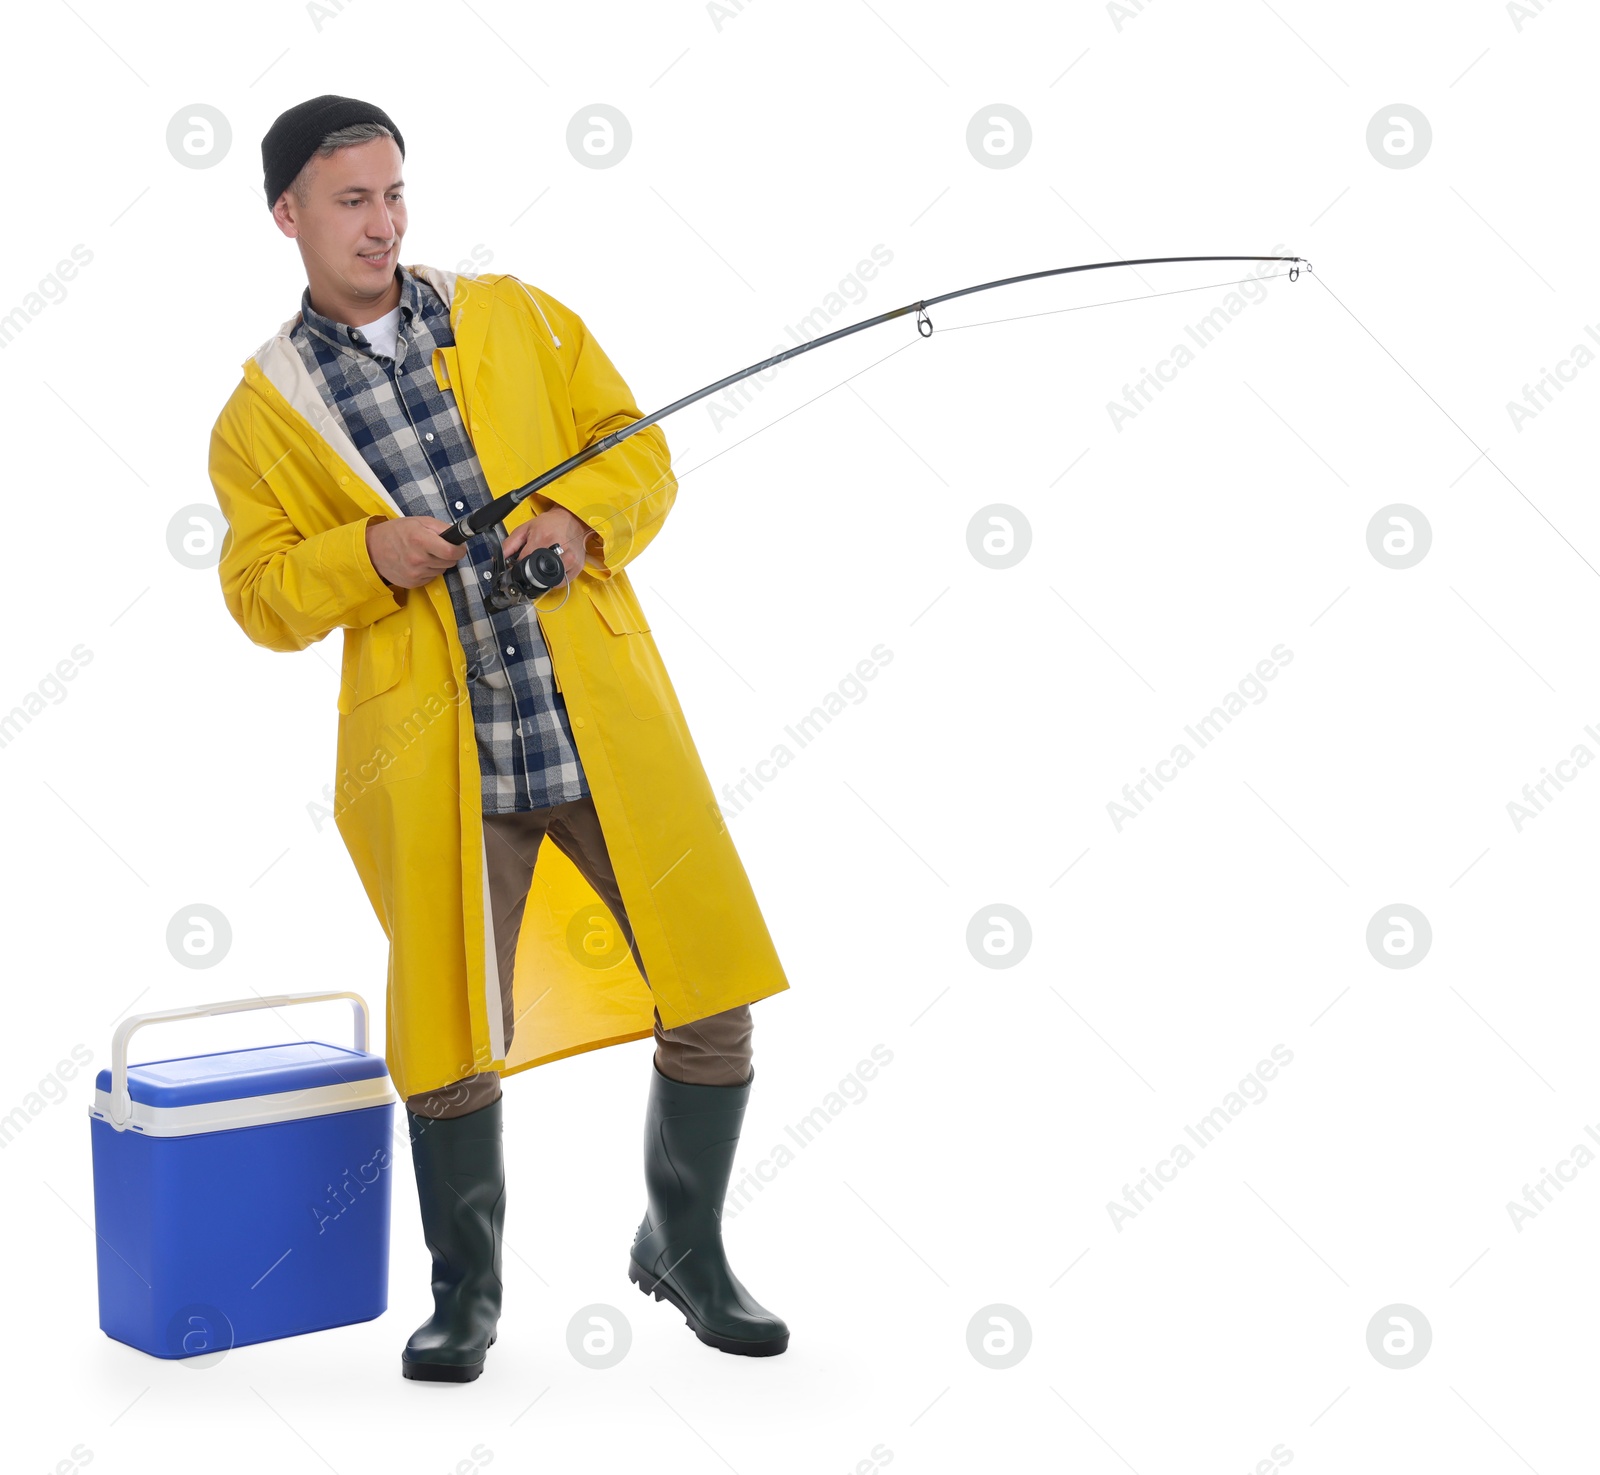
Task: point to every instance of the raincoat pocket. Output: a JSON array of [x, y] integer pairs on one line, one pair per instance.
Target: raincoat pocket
[[375, 658], [618, 606], [633, 654]]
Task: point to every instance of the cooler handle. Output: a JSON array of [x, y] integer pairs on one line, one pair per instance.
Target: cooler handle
[[121, 1107]]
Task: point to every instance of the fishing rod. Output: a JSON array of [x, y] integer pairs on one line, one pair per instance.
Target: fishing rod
[[542, 569]]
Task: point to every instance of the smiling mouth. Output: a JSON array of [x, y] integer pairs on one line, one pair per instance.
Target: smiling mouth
[[376, 260]]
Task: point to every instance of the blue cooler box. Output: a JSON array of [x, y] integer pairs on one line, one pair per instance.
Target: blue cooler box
[[243, 1195]]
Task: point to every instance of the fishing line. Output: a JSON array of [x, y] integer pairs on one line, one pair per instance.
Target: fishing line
[[542, 569], [1117, 301], [1051, 312]]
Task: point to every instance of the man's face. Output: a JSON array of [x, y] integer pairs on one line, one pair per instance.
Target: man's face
[[350, 227]]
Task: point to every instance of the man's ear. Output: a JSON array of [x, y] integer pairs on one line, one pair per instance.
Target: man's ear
[[283, 215]]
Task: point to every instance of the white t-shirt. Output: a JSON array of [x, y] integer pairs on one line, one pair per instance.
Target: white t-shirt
[[381, 334]]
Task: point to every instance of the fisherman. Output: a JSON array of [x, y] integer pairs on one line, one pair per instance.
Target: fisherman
[[395, 401]]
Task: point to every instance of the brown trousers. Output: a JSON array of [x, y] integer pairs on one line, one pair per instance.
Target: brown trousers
[[714, 1051]]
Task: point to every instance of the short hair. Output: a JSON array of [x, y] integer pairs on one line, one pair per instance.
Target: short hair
[[340, 138]]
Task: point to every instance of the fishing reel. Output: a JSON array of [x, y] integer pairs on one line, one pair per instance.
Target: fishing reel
[[524, 579]]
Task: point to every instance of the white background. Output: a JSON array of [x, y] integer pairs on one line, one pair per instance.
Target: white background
[[772, 150]]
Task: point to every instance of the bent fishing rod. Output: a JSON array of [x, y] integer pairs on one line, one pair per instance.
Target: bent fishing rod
[[541, 570]]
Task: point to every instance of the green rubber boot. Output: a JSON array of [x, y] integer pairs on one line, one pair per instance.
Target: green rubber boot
[[461, 1185], [690, 1136]]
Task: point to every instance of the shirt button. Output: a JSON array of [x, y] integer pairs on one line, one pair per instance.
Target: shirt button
[[577, 722], [428, 435], [460, 505], [511, 650]]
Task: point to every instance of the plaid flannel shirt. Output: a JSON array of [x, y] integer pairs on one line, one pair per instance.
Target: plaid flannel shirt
[[411, 434]]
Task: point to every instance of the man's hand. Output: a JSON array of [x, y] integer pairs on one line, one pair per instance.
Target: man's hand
[[553, 525], [408, 551]]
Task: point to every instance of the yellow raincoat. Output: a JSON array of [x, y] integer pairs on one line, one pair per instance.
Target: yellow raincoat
[[298, 498]]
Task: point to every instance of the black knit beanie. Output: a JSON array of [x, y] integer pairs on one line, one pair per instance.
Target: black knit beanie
[[295, 136]]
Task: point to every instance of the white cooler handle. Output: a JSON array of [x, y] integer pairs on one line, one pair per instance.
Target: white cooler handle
[[121, 1107]]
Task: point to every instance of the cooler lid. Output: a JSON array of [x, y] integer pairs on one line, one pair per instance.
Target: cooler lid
[[265, 1070]]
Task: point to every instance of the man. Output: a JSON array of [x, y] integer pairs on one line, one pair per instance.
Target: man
[[397, 400]]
